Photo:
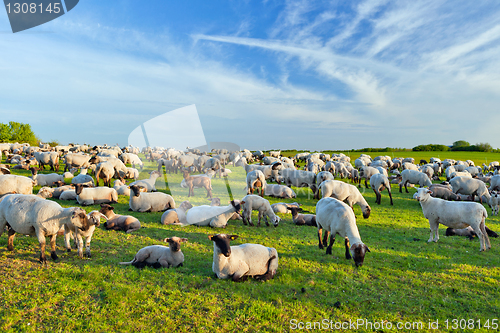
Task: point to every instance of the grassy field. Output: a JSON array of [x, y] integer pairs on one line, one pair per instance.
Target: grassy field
[[404, 281]]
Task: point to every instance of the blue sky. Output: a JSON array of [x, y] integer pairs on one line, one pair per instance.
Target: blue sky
[[263, 74]]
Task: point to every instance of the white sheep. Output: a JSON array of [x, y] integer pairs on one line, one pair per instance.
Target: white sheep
[[283, 207], [214, 216], [96, 195], [45, 179], [345, 192], [338, 218], [454, 214], [70, 174], [494, 203], [378, 183], [413, 177], [149, 202], [32, 215], [121, 188], [255, 179], [72, 231], [158, 256], [279, 191], [470, 186], [15, 184], [176, 216], [240, 262], [148, 184], [254, 202], [68, 195], [83, 178]]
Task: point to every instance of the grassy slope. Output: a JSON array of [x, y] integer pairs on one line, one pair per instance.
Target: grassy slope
[[404, 278]]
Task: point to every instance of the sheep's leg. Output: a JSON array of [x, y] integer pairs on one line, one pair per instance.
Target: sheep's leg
[[163, 263], [390, 196], [485, 233], [241, 275], [209, 192], [434, 225], [67, 238], [376, 197], [87, 246], [332, 240], [406, 186], [325, 238], [366, 183], [347, 249], [320, 245], [10, 241]]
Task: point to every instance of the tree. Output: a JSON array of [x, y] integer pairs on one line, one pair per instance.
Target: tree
[[460, 143], [17, 132], [483, 146]]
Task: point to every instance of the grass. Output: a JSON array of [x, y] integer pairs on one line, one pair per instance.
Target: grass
[[404, 279]]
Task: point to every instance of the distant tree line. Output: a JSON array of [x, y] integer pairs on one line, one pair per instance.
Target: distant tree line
[[17, 132], [460, 145]]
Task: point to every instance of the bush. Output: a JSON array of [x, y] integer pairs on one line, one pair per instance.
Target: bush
[[17, 132]]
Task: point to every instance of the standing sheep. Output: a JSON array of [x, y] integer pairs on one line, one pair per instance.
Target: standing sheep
[[78, 234], [378, 183], [345, 192], [254, 202]]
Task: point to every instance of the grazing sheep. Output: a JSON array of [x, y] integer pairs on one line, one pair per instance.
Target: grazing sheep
[[302, 219], [378, 183], [254, 202], [193, 182], [470, 186], [70, 230], [240, 262], [157, 256], [177, 216], [170, 165], [133, 159], [299, 178], [83, 179], [413, 177], [32, 215], [338, 218], [118, 222], [94, 196], [443, 192], [457, 215], [47, 158], [45, 179], [270, 171], [148, 184], [256, 179], [367, 172], [15, 184], [214, 216], [76, 160], [279, 191], [345, 192], [149, 202], [469, 232], [283, 208]]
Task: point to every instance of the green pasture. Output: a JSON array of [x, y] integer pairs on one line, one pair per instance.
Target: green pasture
[[404, 281]]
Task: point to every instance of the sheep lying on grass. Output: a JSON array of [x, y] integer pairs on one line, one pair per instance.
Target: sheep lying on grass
[[118, 222], [176, 216], [149, 202], [214, 216], [302, 219], [469, 232], [283, 207], [157, 256], [240, 262], [453, 214]]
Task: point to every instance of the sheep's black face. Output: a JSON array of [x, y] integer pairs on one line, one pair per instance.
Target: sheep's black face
[[358, 252], [136, 189], [222, 242]]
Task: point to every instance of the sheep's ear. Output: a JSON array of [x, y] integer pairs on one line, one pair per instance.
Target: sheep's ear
[[242, 202], [166, 240], [210, 237], [429, 191], [367, 249], [233, 237], [183, 240]]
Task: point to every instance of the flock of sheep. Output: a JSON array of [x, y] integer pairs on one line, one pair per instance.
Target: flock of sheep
[[450, 203]]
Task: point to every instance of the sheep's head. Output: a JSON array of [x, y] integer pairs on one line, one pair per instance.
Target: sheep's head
[[423, 194], [80, 219], [105, 208], [222, 242], [45, 192], [366, 211], [95, 217], [185, 205], [276, 220], [78, 189], [136, 189], [215, 202], [175, 243], [358, 252], [237, 205]]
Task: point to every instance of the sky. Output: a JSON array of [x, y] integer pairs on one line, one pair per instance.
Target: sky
[[308, 75]]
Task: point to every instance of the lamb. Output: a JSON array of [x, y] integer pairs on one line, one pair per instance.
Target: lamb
[[495, 183], [469, 232], [148, 184], [413, 177], [240, 262], [378, 183], [192, 182], [176, 216], [270, 171], [118, 222], [256, 179], [279, 191], [170, 165], [32, 215], [106, 171], [121, 188], [45, 179], [457, 215], [338, 218], [302, 219], [15, 184], [283, 208], [83, 179], [149, 202], [158, 256], [470, 186], [70, 229], [253, 202], [494, 203], [93, 196], [214, 216], [345, 192]]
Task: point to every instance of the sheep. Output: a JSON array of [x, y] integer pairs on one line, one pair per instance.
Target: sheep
[[279, 191], [214, 216], [47, 158], [413, 177], [282, 207], [76, 160], [177, 216], [46, 192], [149, 202], [45, 179], [338, 218], [131, 173], [192, 182], [253, 202], [302, 219], [470, 186], [70, 229], [345, 192], [378, 183], [460, 174], [118, 222], [469, 232], [32, 215], [322, 176], [158, 256], [68, 195], [442, 192], [240, 262], [15, 184], [300, 178], [4, 170], [132, 159], [106, 171], [367, 172], [453, 214], [70, 174], [270, 171], [93, 196], [256, 179], [494, 202], [495, 183], [148, 184], [170, 165], [83, 179]]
